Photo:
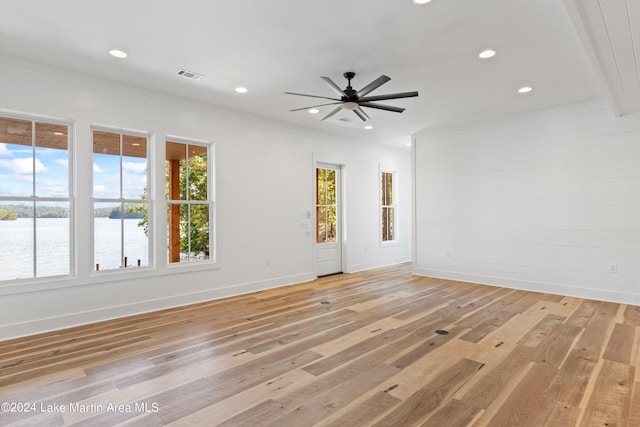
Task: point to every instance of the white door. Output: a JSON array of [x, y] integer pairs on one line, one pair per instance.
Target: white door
[[328, 224]]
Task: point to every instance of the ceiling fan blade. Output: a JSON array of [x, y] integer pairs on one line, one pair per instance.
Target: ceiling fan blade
[[314, 106], [360, 113], [334, 86], [382, 107], [389, 96], [311, 96], [373, 85], [331, 113]]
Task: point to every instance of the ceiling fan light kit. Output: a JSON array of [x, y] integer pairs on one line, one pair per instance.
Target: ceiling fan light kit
[[354, 100]]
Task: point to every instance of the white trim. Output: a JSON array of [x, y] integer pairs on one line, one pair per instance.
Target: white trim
[[37, 326], [150, 201], [209, 202], [394, 221], [70, 198], [377, 264], [341, 218], [414, 212], [532, 286]]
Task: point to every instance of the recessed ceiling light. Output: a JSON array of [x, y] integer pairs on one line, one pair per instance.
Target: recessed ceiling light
[[421, 1], [368, 127], [314, 111], [408, 144], [488, 53], [241, 89], [525, 89], [118, 53]]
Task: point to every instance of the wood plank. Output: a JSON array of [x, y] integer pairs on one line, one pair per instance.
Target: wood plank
[[620, 345], [552, 413], [634, 413], [425, 401], [570, 384], [369, 357], [364, 413], [632, 315], [583, 314], [610, 403], [330, 401], [489, 386], [557, 345], [485, 328], [527, 399], [455, 413]]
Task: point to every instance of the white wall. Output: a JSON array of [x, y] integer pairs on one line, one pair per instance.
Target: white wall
[[252, 154], [544, 201]]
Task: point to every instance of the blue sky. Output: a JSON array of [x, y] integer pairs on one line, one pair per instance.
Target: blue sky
[[16, 171], [52, 168]]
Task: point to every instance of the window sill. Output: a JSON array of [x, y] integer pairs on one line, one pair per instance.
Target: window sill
[[23, 286], [389, 243]]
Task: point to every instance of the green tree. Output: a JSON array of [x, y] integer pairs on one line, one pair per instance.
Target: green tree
[[7, 215], [194, 226], [194, 223]]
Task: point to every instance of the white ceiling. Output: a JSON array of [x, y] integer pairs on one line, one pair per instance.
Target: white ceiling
[[286, 45]]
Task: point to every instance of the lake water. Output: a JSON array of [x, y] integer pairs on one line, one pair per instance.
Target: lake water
[[16, 246]]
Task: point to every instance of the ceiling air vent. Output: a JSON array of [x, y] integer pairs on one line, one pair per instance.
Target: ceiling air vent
[[189, 74]]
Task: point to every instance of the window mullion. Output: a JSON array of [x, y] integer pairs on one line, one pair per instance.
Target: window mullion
[[33, 194]]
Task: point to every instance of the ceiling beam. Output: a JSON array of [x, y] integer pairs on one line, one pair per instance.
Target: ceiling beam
[[610, 34]]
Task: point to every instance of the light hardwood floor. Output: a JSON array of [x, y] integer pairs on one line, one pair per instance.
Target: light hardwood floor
[[347, 350]]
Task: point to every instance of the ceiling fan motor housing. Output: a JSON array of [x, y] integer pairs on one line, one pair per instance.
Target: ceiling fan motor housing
[[351, 99]]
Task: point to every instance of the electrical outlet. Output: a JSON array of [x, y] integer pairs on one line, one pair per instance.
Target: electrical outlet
[[267, 261], [613, 268], [449, 254]]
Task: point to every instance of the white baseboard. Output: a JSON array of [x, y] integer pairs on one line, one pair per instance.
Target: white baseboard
[[378, 264], [550, 288], [38, 326]]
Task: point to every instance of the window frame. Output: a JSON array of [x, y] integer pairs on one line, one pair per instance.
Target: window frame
[[34, 199], [210, 202], [393, 206], [149, 201]]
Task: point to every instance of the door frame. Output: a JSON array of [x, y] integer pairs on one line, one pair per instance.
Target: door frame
[[341, 217]]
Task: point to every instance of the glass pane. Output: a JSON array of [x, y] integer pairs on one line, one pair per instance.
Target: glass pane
[[387, 224], [321, 224], [16, 158], [199, 232], [176, 153], [52, 160], [321, 186], [106, 165], [16, 240], [332, 229], [184, 232], [387, 188], [134, 167], [383, 188], [331, 187], [107, 236], [173, 233], [136, 240], [197, 172], [52, 239]]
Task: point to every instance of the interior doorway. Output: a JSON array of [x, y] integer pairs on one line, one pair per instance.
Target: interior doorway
[[328, 220]]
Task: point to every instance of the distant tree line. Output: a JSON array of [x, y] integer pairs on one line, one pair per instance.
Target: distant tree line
[[13, 212]]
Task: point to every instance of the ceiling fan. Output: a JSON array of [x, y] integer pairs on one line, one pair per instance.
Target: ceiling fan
[[351, 99]]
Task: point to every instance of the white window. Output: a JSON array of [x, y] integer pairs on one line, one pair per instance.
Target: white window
[[121, 217], [35, 198], [189, 201], [387, 207]]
